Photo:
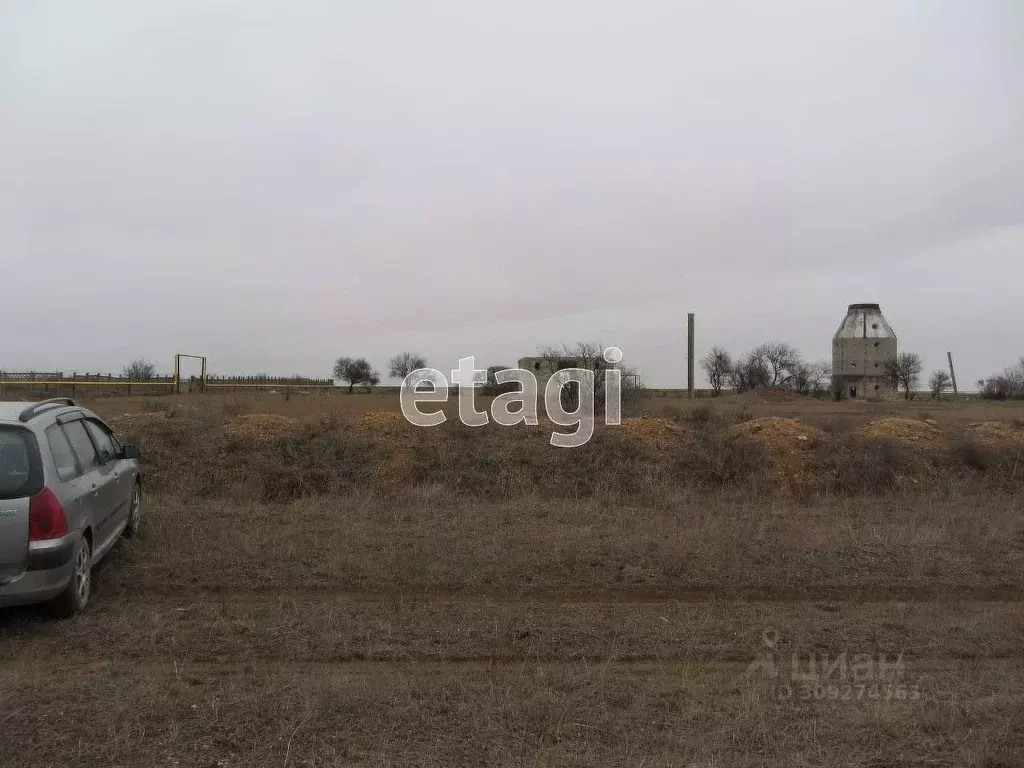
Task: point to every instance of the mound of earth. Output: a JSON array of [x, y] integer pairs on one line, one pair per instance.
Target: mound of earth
[[997, 434], [260, 426], [651, 432], [779, 433], [912, 431], [787, 441]]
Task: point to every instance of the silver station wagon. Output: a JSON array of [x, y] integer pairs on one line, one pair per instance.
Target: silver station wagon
[[69, 488]]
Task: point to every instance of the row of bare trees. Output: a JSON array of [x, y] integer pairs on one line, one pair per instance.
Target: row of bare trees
[[777, 365], [772, 365], [1008, 385], [357, 371]]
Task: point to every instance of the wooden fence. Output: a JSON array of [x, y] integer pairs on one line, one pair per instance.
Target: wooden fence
[[61, 384]]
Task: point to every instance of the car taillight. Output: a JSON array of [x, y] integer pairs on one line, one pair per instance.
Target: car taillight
[[46, 518]]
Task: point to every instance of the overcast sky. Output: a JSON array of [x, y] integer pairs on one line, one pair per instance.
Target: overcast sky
[[276, 184]]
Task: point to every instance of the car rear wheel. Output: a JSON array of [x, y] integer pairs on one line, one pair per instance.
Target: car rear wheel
[[134, 513], [76, 594]]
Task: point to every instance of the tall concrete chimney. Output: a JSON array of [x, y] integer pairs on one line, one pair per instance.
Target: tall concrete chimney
[[689, 355]]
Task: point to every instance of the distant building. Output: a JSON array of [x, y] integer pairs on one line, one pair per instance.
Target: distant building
[[860, 349], [543, 368]]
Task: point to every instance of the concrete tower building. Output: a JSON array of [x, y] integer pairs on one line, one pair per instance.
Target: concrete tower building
[[860, 348]]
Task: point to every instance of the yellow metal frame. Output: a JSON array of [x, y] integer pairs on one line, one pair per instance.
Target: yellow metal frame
[[177, 370]]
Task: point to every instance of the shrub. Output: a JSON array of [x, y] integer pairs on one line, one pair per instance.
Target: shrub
[[713, 458], [700, 415], [840, 425], [235, 408], [975, 455], [847, 465], [675, 413]]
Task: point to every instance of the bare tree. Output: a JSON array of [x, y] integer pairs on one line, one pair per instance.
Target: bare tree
[[751, 371], [1008, 385], [139, 370], [782, 359], [905, 370], [938, 383], [355, 371], [585, 354], [404, 363], [819, 374], [717, 367], [809, 378]]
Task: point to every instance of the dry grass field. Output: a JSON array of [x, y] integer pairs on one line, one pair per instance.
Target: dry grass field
[[318, 583]]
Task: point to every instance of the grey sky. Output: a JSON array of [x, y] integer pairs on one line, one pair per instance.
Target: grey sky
[[276, 184]]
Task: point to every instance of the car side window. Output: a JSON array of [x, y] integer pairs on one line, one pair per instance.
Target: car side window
[[63, 456], [101, 439], [82, 445]]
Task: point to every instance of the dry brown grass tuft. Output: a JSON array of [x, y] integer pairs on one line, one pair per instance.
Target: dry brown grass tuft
[[396, 471], [130, 423], [260, 426]]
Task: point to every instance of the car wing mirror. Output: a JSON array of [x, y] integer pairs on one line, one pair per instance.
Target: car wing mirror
[[129, 451]]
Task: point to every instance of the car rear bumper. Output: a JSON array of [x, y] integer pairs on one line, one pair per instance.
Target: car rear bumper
[[48, 555], [48, 570]]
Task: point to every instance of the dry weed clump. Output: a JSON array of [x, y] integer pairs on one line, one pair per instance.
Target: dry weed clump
[[713, 457], [396, 471], [911, 431], [850, 465]]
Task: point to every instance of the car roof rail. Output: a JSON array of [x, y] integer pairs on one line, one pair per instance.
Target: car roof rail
[[33, 409]]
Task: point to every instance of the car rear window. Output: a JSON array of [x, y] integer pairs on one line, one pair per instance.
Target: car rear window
[[21, 472]]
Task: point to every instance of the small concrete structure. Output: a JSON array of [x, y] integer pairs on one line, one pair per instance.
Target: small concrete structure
[[860, 349], [544, 367]]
